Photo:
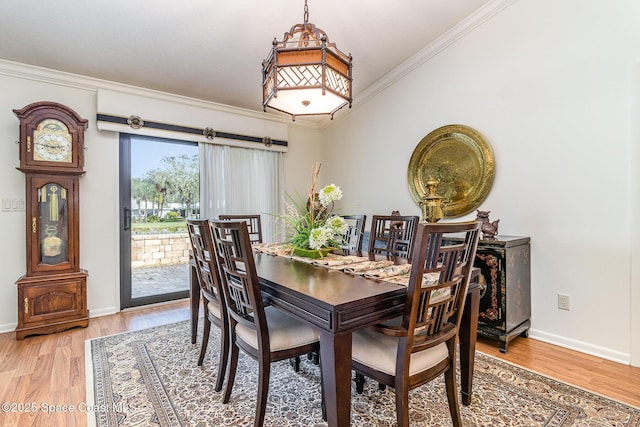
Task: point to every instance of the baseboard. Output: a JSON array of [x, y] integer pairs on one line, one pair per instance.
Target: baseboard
[[11, 327], [103, 311], [594, 350], [157, 304], [8, 327]]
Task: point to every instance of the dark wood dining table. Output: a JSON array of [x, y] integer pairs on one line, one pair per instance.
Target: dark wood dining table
[[337, 304]]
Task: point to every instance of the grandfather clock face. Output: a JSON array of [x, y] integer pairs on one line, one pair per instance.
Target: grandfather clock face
[[52, 142], [51, 139]]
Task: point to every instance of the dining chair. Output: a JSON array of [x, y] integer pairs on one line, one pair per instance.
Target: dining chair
[[254, 225], [352, 239], [419, 346], [392, 235], [264, 333], [206, 268]]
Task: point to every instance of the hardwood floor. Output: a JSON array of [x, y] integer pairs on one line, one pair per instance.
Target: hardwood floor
[[47, 372], [611, 379]]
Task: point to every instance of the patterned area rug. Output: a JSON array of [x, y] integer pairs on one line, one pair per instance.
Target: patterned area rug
[[150, 378]]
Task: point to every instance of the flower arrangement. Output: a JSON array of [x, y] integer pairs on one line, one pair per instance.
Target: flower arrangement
[[310, 224]]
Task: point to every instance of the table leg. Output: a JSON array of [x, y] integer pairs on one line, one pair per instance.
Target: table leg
[[468, 333], [194, 297], [335, 361]]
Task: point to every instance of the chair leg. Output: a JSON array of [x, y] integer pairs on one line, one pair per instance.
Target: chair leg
[[264, 371], [314, 356], [359, 380], [452, 396], [231, 372], [224, 357], [295, 362], [205, 339], [402, 405]]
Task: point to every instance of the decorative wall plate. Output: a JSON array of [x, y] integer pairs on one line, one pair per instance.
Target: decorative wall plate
[[461, 160]]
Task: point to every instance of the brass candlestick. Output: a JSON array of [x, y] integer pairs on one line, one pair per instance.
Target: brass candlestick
[[431, 203]]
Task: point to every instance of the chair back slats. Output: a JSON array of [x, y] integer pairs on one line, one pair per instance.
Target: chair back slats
[[254, 225], [392, 235], [437, 288], [352, 239], [203, 258], [238, 273]]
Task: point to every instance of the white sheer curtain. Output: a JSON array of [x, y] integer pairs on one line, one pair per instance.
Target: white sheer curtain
[[238, 181]]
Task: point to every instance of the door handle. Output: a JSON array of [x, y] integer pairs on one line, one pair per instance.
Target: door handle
[[126, 220]]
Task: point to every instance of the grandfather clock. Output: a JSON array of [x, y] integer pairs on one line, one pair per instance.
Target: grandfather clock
[[52, 295]]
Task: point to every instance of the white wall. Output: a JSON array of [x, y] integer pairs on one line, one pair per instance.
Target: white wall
[[547, 83], [634, 195], [99, 246]]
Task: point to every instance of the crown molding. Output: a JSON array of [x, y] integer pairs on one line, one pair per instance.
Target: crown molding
[[483, 14], [91, 84]]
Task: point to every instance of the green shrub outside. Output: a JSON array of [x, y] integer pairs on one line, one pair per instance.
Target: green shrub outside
[[160, 227], [172, 216]]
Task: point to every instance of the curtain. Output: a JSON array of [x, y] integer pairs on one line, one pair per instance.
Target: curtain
[[237, 181]]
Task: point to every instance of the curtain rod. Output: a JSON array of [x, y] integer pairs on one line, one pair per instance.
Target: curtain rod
[[136, 122]]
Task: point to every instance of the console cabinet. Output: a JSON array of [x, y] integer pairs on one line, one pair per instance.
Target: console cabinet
[[505, 288]]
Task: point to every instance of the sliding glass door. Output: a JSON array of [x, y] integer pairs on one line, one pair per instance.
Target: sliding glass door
[[159, 189]]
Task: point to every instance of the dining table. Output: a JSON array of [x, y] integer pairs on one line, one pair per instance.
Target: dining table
[[337, 304]]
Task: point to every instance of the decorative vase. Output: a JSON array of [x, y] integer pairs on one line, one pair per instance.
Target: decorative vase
[[312, 253], [431, 203]]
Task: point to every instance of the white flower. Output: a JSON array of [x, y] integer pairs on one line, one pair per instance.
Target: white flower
[[329, 194], [338, 225], [319, 237]]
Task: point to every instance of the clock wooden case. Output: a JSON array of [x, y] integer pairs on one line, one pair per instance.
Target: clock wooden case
[[52, 294]]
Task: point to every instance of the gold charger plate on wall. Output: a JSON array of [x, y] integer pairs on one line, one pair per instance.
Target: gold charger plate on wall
[[461, 160]]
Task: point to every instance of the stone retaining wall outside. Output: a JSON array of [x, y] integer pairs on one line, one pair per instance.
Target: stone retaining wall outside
[[154, 250]]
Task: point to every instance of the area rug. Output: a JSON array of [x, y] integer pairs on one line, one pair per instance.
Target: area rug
[[150, 378]]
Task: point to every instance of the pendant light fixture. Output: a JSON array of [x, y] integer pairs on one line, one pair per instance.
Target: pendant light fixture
[[305, 75]]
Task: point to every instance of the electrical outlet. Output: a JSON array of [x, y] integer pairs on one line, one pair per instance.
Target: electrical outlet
[[564, 302]]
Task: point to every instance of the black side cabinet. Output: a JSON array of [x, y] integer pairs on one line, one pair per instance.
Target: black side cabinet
[[505, 288]]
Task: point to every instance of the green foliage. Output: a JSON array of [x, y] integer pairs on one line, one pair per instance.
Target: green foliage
[[153, 218], [172, 215], [176, 181], [177, 226]]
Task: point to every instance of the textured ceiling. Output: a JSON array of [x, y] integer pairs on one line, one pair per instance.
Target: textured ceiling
[[211, 49]]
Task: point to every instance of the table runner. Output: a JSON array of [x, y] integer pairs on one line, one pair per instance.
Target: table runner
[[384, 270]]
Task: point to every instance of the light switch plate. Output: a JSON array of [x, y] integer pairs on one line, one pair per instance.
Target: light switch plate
[[13, 205]]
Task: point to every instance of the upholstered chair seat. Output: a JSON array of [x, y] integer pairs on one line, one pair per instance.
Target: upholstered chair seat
[[379, 351], [285, 332]]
